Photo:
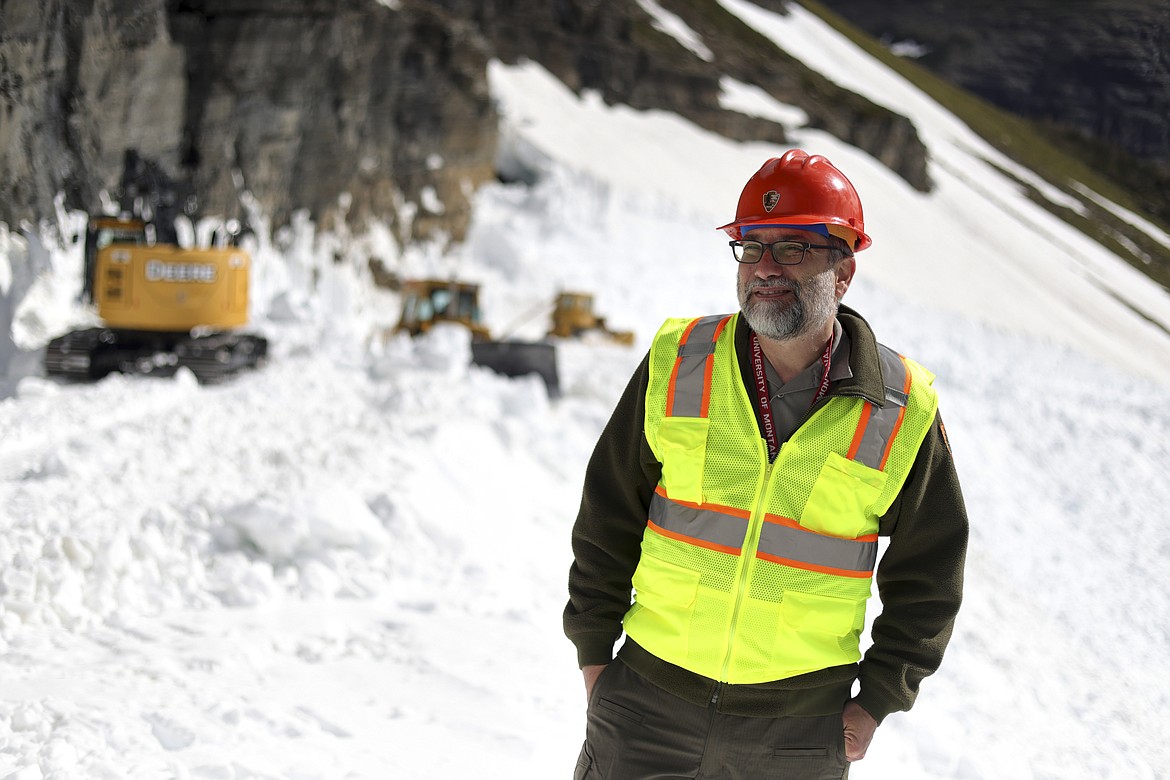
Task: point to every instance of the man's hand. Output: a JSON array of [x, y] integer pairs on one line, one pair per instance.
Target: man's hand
[[859, 729], [591, 674]]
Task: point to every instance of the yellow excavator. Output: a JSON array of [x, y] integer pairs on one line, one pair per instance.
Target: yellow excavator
[[429, 301], [162, 306]]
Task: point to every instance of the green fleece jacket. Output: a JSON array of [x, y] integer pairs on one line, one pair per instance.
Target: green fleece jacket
[[919, 576]]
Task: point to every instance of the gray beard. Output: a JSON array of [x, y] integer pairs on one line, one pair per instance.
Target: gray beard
[[814, 303]]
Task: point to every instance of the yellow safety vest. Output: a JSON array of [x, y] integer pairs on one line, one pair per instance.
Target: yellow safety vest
[[750, 571]]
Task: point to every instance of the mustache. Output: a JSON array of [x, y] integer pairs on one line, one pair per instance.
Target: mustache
[[772, 284]]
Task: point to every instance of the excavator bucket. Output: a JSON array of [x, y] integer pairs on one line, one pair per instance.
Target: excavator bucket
[[517, 358]]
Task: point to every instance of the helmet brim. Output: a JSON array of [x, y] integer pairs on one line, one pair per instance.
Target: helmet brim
[[857, 239]]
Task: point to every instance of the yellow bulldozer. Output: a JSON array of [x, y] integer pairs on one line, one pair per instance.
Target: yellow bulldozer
[[573, 317], [162, 306], [430, 301]]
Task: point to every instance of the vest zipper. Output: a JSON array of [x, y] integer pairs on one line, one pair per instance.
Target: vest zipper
[[747, 555]]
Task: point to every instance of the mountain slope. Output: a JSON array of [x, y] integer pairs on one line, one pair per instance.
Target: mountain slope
[[1068, 165], [1092, 77]]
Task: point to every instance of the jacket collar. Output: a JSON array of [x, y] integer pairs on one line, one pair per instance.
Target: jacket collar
[[864, 362]]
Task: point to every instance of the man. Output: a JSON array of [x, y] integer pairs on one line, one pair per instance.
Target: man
[[738, 492]]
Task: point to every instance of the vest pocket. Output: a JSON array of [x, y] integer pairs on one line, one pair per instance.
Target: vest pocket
[[842, 498], [660, 617], [682, 445], [824, 614], [815, 632]]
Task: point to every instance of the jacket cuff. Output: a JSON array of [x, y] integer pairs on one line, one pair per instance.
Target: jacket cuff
[[876, 705], [594, 648]]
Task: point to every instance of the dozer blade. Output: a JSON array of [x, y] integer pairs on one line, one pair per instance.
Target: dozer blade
[[517, 358], [623, 337]]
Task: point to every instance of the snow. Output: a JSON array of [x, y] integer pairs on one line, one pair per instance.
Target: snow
[[753, 101], [1138, 221], [675, 27], [352, 563]]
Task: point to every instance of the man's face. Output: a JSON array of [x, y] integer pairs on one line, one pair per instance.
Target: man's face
[[783, 302]]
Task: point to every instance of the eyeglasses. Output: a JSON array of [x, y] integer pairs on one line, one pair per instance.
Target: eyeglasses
[[783, 252]]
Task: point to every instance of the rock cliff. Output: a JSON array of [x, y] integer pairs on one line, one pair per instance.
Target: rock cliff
[[353, 109], [296, 103]]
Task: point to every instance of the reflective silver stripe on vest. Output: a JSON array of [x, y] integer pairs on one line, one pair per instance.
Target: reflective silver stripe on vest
[[893, 375], [691, 378], [792, 544], [802, 546], [702, 524], [883, 419]]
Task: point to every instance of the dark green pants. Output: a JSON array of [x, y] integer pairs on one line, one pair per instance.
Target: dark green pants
[[637, 731]]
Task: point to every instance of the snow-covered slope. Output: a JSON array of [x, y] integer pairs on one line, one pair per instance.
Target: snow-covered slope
[[352, 563]]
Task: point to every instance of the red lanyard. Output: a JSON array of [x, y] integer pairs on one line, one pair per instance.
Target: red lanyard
[[761, 377]]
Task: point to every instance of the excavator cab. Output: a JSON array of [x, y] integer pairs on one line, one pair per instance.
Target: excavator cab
[[101, 233], [428, 301]]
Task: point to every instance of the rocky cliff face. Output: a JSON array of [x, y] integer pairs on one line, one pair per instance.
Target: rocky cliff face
[[305, 101], [352, 109], [295, 103]]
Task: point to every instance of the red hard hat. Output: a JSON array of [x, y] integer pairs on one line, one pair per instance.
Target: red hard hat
[[801, 189]]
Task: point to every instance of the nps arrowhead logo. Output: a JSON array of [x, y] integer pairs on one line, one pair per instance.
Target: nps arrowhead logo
[[771, 198]]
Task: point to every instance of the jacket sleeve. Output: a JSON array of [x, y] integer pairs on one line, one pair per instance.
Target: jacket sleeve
[[607, 534], [920, 581]]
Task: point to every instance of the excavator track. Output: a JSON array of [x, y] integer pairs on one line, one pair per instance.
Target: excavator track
[[216, 357], [72, 356], [90, 354]]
